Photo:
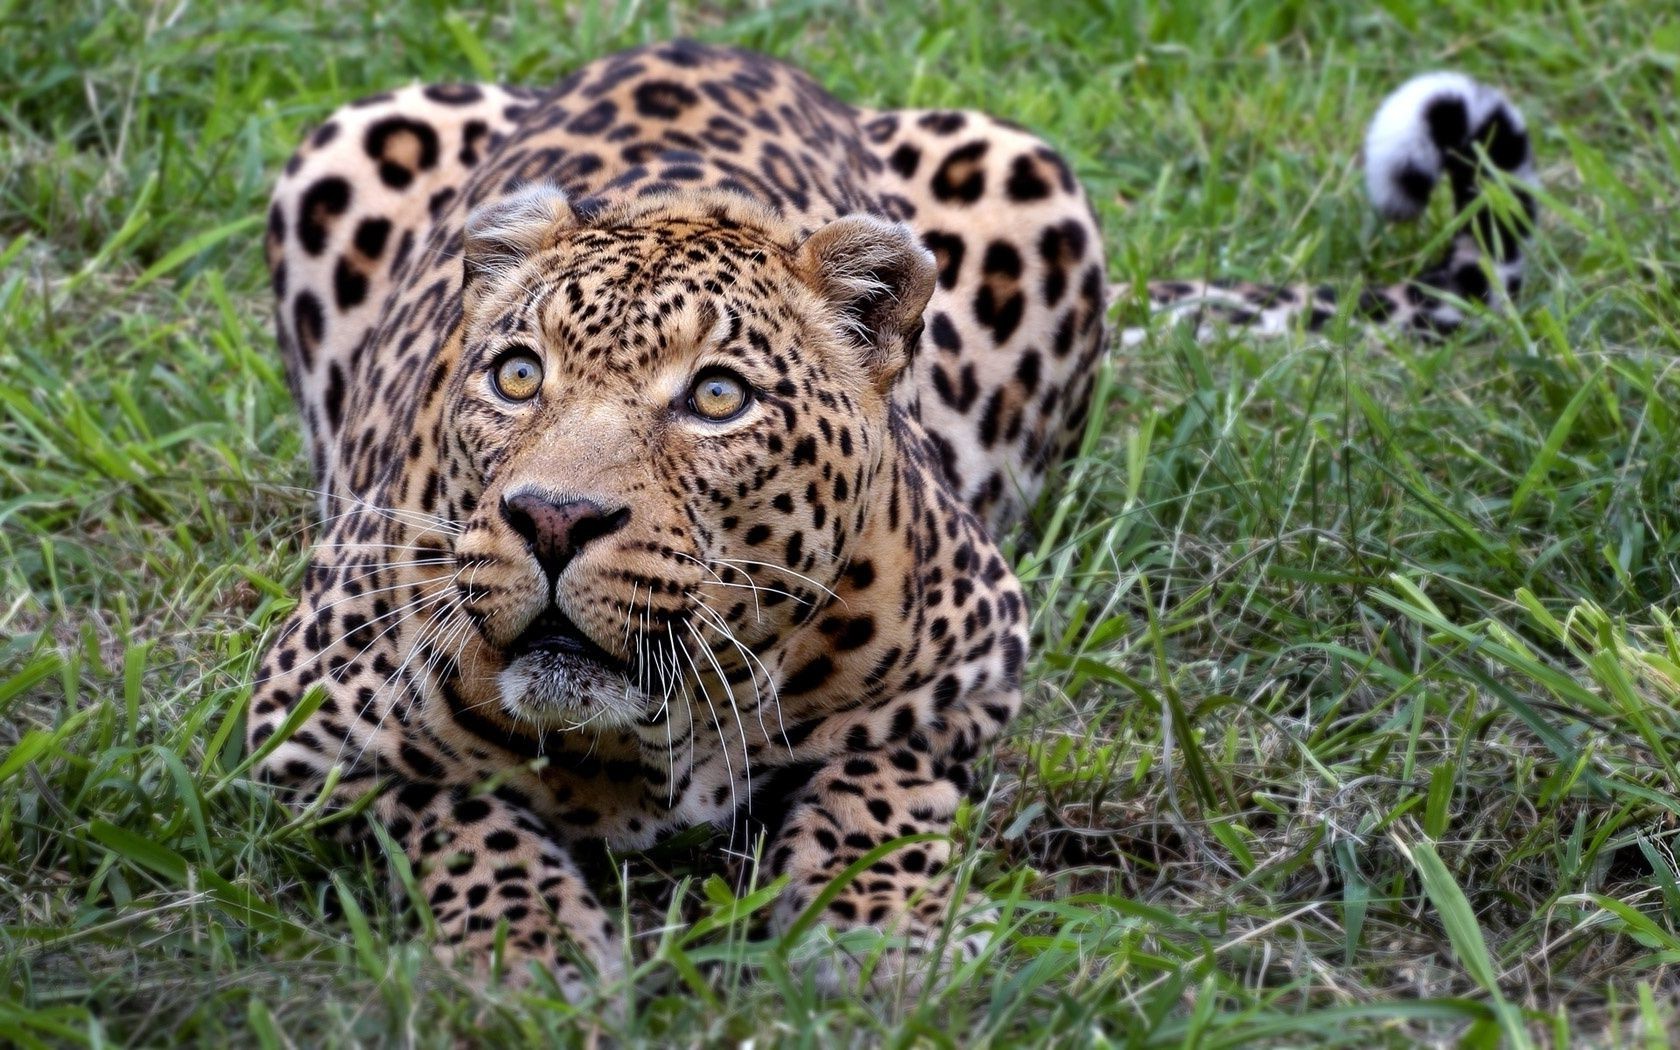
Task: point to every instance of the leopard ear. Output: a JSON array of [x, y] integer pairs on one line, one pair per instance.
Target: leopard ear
[[502, 234], [879, 276]]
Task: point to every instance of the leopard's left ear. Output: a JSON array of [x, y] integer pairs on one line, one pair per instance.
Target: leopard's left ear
[[880, 277], [502, 234]]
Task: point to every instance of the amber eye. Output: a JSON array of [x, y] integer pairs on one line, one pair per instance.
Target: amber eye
[[718, 395], [518, 375]]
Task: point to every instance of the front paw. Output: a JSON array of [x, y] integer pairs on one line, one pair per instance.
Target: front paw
[[535, 959], [874, 942]]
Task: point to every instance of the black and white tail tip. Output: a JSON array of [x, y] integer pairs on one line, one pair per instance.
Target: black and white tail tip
[[1436, 126], [1446, 124]]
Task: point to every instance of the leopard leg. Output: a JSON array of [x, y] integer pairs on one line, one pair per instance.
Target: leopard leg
[[493, 874], [481, 858], [848, 808]]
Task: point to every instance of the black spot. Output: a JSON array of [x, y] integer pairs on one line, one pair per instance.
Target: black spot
[[904, 160], [335, 397], [1506, 144], [849, 634], [1375, 306], [1470, 281], [422, 764], [861, 574], [960, 392], [944, 333], [962, 176], [371, 235], [999, 305], [1025, 183], [453, 94], [663, 99], [416, 795], [947, 249], [322, 202], [1014, 655], [685, 53], [810, 677], [1414, 183], [1061, 247], [1449, 123], [595, 119], [943, 123], [309, 321], [349, 285], [1002, 258], [474, 134], [881, 129], [1026, 372], [946, 692], [393, 169], [276, 224]]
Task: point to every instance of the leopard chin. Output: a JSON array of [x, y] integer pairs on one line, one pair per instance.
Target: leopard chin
[[554, 690]]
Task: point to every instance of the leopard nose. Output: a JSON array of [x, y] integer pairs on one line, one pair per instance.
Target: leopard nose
[[556, 530]]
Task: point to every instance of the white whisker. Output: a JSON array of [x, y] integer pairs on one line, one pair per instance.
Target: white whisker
[[717, 623], [783, 569]]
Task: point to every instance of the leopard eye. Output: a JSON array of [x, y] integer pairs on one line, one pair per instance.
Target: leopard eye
[[718, 395], [518, 374]]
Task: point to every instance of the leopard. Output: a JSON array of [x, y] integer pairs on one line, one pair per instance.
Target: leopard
[[670, 428]]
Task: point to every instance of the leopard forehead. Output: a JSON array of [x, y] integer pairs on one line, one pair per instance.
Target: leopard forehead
[[629, 300]]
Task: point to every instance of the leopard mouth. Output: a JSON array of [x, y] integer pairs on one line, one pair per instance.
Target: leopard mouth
[[558, 678], [553, 635]]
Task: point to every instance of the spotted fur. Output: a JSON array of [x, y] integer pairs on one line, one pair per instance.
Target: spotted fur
[[591, 615], [800, 615]]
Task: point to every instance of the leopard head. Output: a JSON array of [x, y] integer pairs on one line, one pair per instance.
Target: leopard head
[[667, 419]]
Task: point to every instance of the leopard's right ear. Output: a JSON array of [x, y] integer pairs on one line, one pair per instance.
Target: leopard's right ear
[[879, 277], [504, 233]]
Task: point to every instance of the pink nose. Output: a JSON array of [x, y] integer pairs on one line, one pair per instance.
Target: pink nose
[[555, 531]]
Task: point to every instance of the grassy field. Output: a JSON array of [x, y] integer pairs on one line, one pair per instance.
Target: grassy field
[[1356, 695]]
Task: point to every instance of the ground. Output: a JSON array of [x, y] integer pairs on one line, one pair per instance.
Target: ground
[[1356, 695]]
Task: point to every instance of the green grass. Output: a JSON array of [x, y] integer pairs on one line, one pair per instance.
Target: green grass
[[1356, 697]]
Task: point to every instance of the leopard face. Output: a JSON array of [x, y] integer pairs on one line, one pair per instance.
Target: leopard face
[[667, 421]]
